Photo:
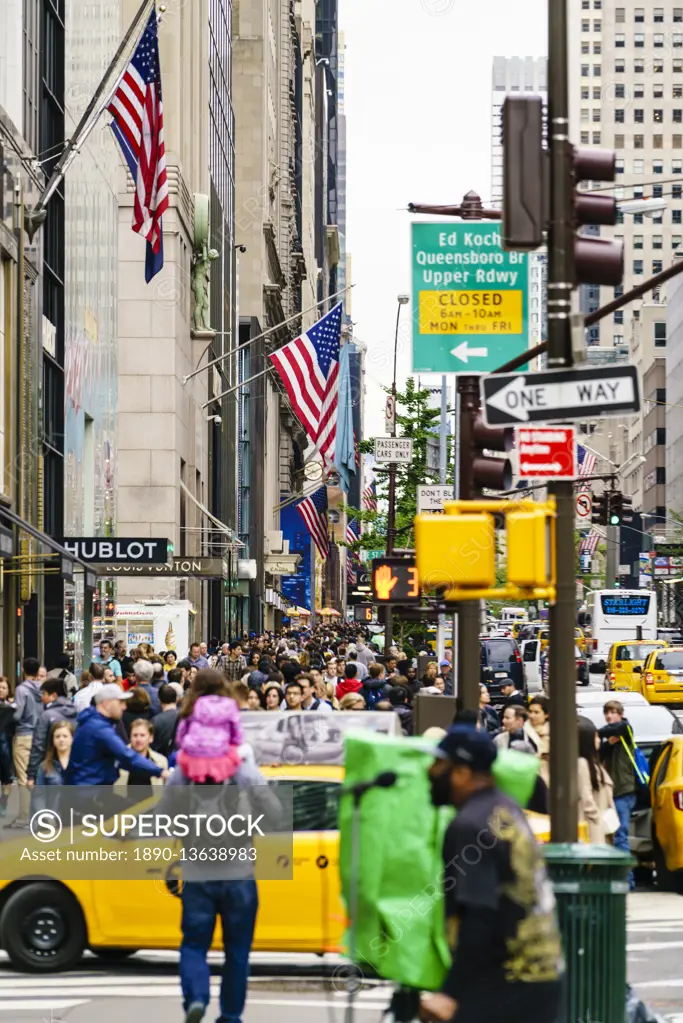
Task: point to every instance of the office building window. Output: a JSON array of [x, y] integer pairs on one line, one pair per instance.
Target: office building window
[[637, 241], [619, 66], [678, 13], [585, 5], [639, 116], [660, 334], [597, 25], [585, 92], [658, 91], [585, 25], [658, 66], [597, 47], [619, 91], [677, 67], [657, 166], [596, 115], [596, 138], [659, 15], [677, 166], [639, 40], [597, 70], [657, 241], [677, 91], [597, 91], [620, 15], [585, 138], [656, 266], [638, 90], [657, 141], [676, 217], [677, 191], [637, 218], [658, 116], [639, 166], [620, 217], [619, 166], [638, 141], [676, 142], [639, 66], [657, 192], [637, 266], [619, 316], [677, 115], [584, 114], [676, 241], [619, 142], [617, 340], [657, 41], [585, 48], [677, 40], [585, 70], [639, 15], [620, 40], [619, 116]]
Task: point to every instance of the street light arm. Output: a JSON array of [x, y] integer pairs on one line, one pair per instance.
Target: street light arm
[[641, 289], [452, 211]]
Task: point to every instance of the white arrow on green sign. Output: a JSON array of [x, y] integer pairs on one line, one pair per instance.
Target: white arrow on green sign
[[470, 298]]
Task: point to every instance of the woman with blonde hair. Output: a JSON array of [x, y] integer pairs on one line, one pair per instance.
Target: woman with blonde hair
[[326, 691], [352, 701]]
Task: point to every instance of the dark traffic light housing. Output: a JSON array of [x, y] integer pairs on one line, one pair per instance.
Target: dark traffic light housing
[[620, 509], [489, 471], [524, 195], [596, 260], [600, 509]]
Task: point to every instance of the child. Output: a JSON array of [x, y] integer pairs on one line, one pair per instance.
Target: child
[[209, 730]]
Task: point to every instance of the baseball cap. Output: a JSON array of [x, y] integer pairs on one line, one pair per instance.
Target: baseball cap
[[111, 692], [463, 745], [444, 664]]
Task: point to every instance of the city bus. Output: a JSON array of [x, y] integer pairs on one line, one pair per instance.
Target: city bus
[[616, 615]]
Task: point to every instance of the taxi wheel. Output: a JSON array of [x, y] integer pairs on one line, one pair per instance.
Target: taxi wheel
[[42, 929]]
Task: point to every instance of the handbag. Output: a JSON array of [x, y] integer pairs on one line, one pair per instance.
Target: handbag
[[610, 820]]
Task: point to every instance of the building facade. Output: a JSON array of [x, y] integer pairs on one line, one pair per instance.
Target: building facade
[[674, 388]]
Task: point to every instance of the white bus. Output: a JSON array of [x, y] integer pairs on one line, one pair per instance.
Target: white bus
[[617, 615]]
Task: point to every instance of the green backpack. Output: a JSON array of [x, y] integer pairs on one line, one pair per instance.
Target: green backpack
[[400, 932]]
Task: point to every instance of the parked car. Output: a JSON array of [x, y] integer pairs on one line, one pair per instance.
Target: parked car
[[625, 660], [662, 676], [596, 698], [500, 658]]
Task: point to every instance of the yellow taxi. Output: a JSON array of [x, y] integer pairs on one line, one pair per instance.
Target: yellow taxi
[[663, 676], [625, 661], [666, 795], [580, 639], [46, 925]]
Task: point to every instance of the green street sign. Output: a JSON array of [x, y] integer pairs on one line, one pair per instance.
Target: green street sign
[[470, 298], [371, 555]]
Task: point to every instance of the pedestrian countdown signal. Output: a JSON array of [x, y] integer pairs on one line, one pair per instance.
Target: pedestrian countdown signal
[[395, 581]]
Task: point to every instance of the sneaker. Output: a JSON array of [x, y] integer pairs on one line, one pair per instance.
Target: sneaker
[[18, 823], [195, 1013]]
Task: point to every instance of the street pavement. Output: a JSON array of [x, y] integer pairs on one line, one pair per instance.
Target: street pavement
[[146, 985]]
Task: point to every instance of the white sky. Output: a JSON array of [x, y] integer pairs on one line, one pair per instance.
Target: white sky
[[418, 108]]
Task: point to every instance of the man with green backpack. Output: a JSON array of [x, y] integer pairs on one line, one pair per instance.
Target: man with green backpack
[[626, 766]]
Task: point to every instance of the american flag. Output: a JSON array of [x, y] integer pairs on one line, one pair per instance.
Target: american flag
[[352, 535], [313, 510], [139, 129], [370, 497], [587, 463], [309, 369], [589, 544], [352, 531]]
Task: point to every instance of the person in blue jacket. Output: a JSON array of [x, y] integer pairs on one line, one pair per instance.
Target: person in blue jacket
[[98, 752]]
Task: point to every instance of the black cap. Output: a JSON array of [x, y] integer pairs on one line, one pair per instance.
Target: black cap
[[466, 745]]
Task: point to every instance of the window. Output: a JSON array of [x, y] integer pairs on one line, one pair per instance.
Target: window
[[597, 47], [637, 241], [619, 144], [657, 141], [618, 164], [585, 25], [620, 217], [660, 334], [597, 91], [639, 116], [596, 115], [678, 13], [597, 70], [597, 4], [639, 41], [585, 48], [618, 290], [676, 217], [637, 218], [677, 92], [658, 91], [619, 316], [585, 5], [638, 141], [656, 266], [677, 67], [638, 90], [657, 166], [597, 25], [657, 41], [585, 70], [639, 166], [619, 91], [677, 191], [584, 114], [617, 340], [677, 40], [658, 66], [639, 15], [620, 15], [596, 138], [676, 241], [585, 138], [639, 66], [659, 15], [661, 474], [657, 241], [676, 142], [637, 266], [663, 766], [619, 66], [619, 116], [657, 192], [585, 92], [619, 40], [658, 116]]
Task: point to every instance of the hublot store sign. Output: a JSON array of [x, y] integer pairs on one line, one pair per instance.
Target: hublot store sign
[[115, 550]]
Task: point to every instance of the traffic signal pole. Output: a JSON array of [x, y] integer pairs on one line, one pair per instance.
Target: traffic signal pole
[[468, 612], [563, 735]]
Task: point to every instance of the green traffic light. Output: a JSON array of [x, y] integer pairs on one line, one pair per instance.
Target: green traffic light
[[614, 520]]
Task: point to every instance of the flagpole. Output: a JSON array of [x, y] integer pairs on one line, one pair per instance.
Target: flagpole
[[270, 330], [36, 217]]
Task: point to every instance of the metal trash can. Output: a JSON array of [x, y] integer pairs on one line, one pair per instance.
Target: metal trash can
[[591, 885]]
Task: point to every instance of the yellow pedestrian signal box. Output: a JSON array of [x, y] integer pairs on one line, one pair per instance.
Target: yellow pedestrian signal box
[[456, 552]]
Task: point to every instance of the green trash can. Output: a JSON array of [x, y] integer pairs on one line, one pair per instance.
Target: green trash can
[[591, 885]]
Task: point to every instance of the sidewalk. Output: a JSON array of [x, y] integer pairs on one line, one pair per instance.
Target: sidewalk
[[654, 907]]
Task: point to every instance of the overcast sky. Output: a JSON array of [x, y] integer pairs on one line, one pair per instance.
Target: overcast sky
[[418, 107]]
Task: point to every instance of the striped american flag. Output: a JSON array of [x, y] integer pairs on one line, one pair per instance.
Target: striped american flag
[[369, 497], [309, 369], [352, 561], [589, 544], [313, 510], [139, 129], [587, 463]]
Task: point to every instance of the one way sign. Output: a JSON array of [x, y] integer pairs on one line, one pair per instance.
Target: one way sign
[[560, 395]]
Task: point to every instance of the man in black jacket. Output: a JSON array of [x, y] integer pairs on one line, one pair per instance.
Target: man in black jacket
[[166, 722], [507, 954], [618, 754]]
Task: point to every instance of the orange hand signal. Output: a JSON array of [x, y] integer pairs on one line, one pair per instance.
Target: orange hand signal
[[385, 581]]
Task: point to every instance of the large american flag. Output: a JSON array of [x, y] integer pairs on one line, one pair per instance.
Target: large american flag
[[589, 544], [587, 462], [313, 510], [369, 497], [139, 129], [352, 560], [309, 369]]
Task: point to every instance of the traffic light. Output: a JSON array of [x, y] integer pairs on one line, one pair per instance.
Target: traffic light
[[626, 510], [596, 260], [530, 546], [456, 549], [489, 471], [524, 205], [600, 509], [620, 509]]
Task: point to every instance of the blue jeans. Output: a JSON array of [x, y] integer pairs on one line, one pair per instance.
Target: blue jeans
[[236, 903], [624, 807]]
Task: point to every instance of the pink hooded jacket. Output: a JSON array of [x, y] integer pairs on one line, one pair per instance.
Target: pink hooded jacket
[[212, 728]]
